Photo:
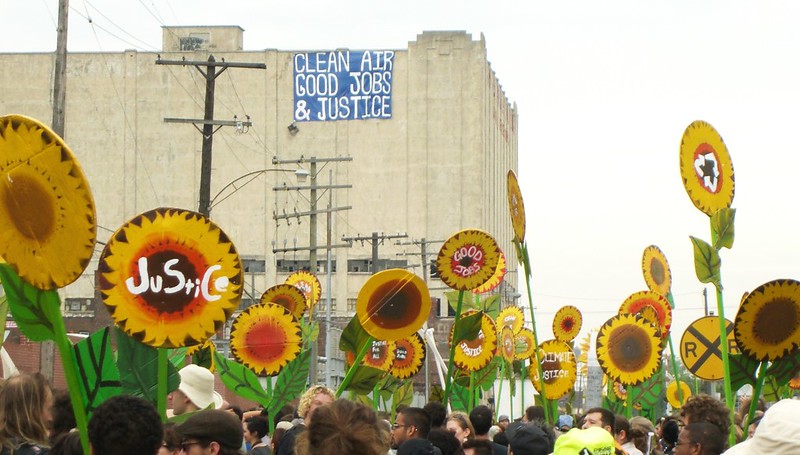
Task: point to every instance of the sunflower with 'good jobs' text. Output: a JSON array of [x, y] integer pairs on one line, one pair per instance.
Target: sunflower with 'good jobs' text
[[265, 337], [767, 326], [496, 279], [468, 259]]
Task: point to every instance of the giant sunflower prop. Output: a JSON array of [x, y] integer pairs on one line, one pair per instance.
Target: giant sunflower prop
[[646, 302], [507, 344], [393, 304], [170, 278], [567, 323], [558, 368], [672, 394], [380, 356], [474, 354], [706, 168], [308, 283], [628, 349], [767, 326], [516, 207], [47, 214], [468, 259], [620, 391], [655, 269], [525, 344], [409, 356], [288, 296], [497, 277], [265, 337], [511, 317]]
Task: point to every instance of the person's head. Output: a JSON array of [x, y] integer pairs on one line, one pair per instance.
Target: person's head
[[68, 443], [410, 423], [565, 423], [777, 432], [125, 425], [700, 438], [481, 419], [458, 423], [670, 431], [437, 412], [172, 442], [478, 447], [211, 432], [622, 429], [63, 417], [196, 391], [751, 429], [25, 409], [277, 436], [255, 428], [533, 413], [643, 430], [343, 428], [445, 441], [593, 439], [705, 408], [528, 439], [312, 399], [503, 422], [599, 417]]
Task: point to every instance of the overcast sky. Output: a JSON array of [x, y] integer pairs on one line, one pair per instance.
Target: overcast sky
[[604, 92]]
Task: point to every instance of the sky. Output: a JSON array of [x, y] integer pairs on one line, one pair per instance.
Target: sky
[[604, 92]]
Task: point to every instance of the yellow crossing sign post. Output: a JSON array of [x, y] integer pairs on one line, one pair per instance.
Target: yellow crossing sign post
[[700, 348]]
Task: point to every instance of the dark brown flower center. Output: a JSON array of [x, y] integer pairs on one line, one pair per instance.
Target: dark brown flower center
[[775, 321], [394, 304], [629, 348], [30, 206], [657, 271]]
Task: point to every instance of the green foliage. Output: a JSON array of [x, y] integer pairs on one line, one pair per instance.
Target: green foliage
[[138, 368], [485, 377], [466, 304], [403, 394], [460, 398], [649, 392], [177, 357], [387, 386], [707, 262], [364, 379], [467, 328], [353, 337], [240, 380], [437, 393], [784, 369], [491, 305], [33, 310], [98, 374], [743, 370], [722, 228], [309, 332], [203, 357], [291, 382]]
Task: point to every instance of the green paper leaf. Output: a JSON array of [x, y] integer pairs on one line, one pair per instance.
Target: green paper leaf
[[491, 305], [404, 394], [364, 379], [706, 262], [467, 328], [291, 382], [772, 390], [460, 398], [784, 369], [485, 377], [138, 368], [177, 357], [722, 226], [33, 310], [743, 370], [309, 332], [466, 302], [97, 373], [649, 392], [240, 380], [437, 393], [387, 386], [364, 399], [203, 357], [353, 337]]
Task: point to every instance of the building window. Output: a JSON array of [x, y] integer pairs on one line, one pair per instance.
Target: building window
[[351, 305]]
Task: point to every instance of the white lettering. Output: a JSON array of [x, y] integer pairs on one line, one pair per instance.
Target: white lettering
[[155, 283]]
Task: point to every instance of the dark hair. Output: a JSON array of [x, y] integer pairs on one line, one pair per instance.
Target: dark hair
[[445, 441], [708, 436], [126, 425], [606, 417], [419, 418], [705, 408], [437, 413], [68, 443], [669, 432], [621, 424], [479, 446], [63, 417], [533, 413], [481, 418], [236, 410], [171, 438], [258, 425]]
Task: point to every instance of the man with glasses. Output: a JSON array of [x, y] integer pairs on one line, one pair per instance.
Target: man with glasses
[[700, 438], [211, 432], [410, 432]]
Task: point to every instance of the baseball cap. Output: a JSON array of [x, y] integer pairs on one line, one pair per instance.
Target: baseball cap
[[213, 425], [591, 441], [565, 420], [527, 439], [197, 383], [777, 432], [502, 417]]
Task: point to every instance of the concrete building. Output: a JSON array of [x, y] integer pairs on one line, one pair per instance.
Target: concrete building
[[428, 159]]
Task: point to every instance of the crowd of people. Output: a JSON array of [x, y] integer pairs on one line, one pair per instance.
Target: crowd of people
[[34, 420]]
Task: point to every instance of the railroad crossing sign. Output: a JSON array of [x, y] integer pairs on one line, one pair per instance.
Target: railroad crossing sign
[[700, 350]]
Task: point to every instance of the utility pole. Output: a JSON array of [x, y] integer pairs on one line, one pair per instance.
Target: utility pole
[[210, 72], [312, 247], [375, 240]]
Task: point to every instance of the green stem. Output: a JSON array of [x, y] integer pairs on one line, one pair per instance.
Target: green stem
[[500, 389], [628, 402], [762, 374], [352, 371], [270, 412], [526, 262], [675, 369], [68, 362], [449, 381], [471, 403], [723, 345], [375, 397], [163, 358]]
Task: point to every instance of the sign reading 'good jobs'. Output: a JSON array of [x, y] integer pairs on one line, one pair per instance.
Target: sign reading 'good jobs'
[[343, 85]]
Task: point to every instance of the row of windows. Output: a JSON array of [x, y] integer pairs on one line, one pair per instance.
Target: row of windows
[[353, 265]]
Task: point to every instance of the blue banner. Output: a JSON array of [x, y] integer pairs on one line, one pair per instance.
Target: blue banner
[[343, 85]]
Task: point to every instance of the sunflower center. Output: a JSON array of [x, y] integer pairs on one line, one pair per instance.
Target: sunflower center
[[285, 301], [657, 271], [567, 324], [629, 349], [266, 341], [30, 206], [394, 304], [163, 301], [776, 321]]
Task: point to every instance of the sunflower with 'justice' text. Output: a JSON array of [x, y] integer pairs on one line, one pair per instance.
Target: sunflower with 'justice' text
[[646, 302], [467, 259], [308, 283], [628, 349], [170, 278], [409, 356], [525, 344], [393, 304], [265, 337], [48, 225], [511, 317], [516, 207], [288, 296], [567, 323], [672, 394], [767, 326], [655, 269], [497, 277], [706, 168], [474, 354], [559, 369]]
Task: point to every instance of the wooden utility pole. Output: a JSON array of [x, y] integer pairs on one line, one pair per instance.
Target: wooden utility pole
[[375, 240], [210, 72], [60, 76]]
